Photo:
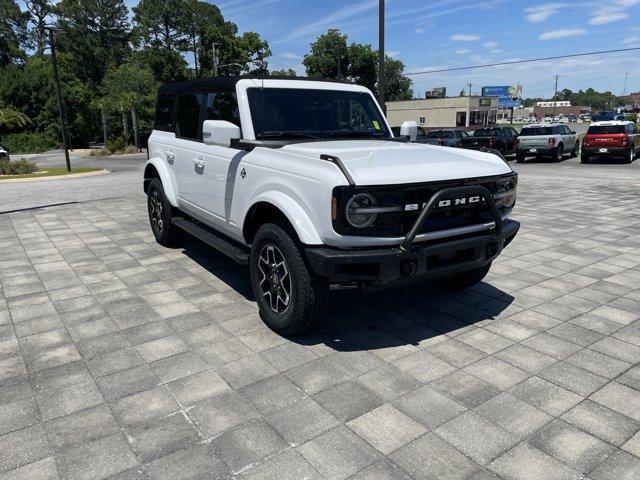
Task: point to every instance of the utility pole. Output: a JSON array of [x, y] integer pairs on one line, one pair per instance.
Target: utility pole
[[381, 56], [555, 96], [626, 78], [215, 59], [56, 82], [469, 85]]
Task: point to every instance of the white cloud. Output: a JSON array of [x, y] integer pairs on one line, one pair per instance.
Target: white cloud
[[541, 13], [627, 3], [290, 56], [631, 39], [462, 37], [608, 17], [490, 44], [462, 51], [566, 32], [393, 53], [496, 50], [418, 31]]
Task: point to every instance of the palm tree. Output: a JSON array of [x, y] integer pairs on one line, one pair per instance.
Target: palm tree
[[10, 118]]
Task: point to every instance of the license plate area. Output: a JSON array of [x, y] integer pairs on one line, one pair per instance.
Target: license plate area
[[603, 150]]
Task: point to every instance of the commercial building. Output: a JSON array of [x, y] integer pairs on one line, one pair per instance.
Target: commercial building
[[474, 111]]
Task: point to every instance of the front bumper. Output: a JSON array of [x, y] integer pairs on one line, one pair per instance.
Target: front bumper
[[428, 261], [610, 152]]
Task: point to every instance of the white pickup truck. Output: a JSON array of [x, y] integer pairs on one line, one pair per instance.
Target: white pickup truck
[[304, 181]]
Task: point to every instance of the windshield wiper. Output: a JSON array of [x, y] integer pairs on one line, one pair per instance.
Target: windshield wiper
[[280, 134]]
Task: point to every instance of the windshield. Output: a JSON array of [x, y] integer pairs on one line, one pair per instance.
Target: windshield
[[487, 132], [440, 134], [599, 129], [320, 114], [533, 131]]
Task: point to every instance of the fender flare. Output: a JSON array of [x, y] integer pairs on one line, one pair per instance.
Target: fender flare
[[296, 215], [165, 178]]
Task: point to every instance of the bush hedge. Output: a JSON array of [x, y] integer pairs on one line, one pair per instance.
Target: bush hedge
[[19, 167], [24, 142]]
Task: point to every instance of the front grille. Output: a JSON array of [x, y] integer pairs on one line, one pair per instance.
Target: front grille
[[416, 195]]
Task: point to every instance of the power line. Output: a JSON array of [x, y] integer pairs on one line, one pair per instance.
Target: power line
[[515, 62]]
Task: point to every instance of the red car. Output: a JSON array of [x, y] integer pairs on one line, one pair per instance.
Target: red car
[[611, 139]]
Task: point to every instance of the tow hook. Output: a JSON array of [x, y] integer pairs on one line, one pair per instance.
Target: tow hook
[[408, 268]]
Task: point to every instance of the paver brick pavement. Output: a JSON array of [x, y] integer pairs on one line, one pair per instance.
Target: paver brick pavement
[[123, 359]]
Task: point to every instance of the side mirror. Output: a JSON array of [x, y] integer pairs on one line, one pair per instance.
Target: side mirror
[[573, 131], [219, 132], [409, 129]]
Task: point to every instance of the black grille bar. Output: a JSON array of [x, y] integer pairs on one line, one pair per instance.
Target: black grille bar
[[452, 192]]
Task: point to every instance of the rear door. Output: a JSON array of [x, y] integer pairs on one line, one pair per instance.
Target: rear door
[[568, 138]]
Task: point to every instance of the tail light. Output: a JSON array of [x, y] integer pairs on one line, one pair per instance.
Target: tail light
[[517, 142], [552, 142], [491, 143], [585, 142], [440, 142], [625, 141]]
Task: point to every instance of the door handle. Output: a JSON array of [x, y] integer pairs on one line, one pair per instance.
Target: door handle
[[198, 163], [171, 156]]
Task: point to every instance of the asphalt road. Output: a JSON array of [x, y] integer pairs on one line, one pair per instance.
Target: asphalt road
[[125, 178]]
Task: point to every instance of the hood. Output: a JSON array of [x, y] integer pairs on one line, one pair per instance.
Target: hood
[[379, 162]]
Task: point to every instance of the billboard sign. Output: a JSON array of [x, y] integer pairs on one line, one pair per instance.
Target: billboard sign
[[508, 96]]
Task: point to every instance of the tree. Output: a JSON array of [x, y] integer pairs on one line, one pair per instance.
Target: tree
[[330, 57], [198, 19], [95, 35], [13, 32], [128, 89], [160, 23], [289, 72], [39, 12], [10, 118]]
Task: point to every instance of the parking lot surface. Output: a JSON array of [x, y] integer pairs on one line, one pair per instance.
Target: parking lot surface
[[122, 359]]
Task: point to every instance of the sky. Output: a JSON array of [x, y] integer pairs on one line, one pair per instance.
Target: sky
[[435, 34]]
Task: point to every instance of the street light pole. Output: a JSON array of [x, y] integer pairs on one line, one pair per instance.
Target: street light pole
[[555, 97], [56, 82], [381, 56]]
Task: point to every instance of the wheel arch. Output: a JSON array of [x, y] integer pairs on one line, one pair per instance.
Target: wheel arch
[[278, 207], [155, 168]]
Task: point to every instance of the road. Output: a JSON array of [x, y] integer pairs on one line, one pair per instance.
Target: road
[[125, 179]]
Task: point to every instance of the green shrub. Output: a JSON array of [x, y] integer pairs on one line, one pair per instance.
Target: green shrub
[[117, 143], [19, 167], [99, 152], [25, 142]]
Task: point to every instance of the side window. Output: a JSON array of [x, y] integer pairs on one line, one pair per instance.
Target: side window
[[222, 106], [566, 130], [514, 133], [189, 125], [164, 113]]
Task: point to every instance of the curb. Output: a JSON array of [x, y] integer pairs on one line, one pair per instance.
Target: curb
[[55, 177]]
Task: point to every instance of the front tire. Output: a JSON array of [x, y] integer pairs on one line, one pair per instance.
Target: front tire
[[574, 152], [291, 298], [461, 281], [160, 214]]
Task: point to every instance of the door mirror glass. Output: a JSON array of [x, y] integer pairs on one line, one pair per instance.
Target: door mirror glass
[[409, 129], [573, 131], [219, 132]]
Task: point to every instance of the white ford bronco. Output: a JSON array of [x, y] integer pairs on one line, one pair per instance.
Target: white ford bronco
[[304, 181]]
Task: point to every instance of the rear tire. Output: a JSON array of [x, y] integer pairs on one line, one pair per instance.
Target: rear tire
[[520, 157], [461, 281], [160, 214], [631, 156], [558, 153], [292, 299], [584, 158]]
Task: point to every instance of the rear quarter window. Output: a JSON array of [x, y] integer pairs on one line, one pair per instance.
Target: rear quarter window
[[164, 113]]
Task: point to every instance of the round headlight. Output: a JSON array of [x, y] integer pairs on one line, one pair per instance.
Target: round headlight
[[356, 210]]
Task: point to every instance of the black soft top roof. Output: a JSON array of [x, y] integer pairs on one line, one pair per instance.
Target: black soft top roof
[[222, 84]]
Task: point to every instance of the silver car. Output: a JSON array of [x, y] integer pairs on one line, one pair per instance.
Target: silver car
[[547, 140]]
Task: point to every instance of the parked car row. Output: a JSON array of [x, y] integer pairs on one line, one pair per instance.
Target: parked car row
[[610, 138]]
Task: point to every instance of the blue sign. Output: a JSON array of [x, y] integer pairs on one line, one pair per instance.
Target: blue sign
[[505, 96]]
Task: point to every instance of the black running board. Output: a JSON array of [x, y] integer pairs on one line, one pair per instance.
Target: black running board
[[212, 239]]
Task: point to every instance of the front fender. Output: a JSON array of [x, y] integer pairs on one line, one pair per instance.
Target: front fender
[[165, 177], [297, 215]]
